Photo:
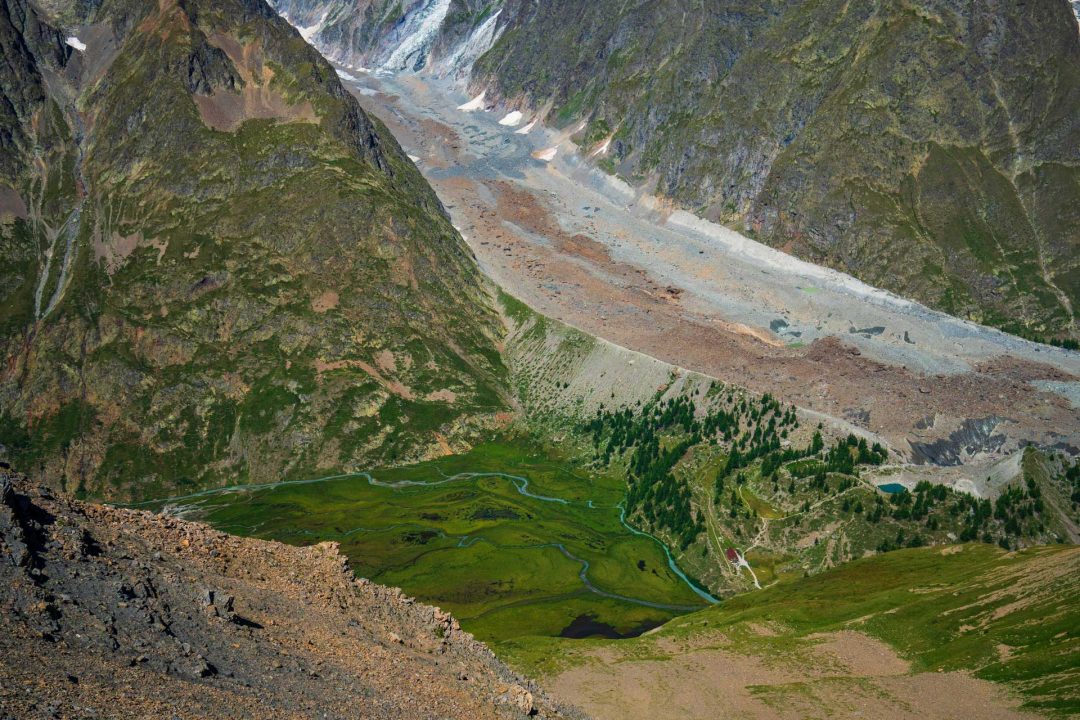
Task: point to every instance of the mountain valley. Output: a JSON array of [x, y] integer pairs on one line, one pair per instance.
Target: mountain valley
[[929, 149], [693, 360]]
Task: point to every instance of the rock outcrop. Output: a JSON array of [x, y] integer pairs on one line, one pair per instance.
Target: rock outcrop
[[112, 613]]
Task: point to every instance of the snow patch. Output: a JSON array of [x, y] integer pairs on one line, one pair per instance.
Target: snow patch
[[602, 148], [741, 562], [475, 104], [344, 75], [512, 119], [546, 155], [413, 158], [76, 43], [525, 130]]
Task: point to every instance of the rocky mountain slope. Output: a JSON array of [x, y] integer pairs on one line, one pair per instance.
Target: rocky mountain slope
[[393, 36], [930, 148], [112, 613], [215, 266]]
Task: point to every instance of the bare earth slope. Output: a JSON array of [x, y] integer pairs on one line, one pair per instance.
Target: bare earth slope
[[110, 613]]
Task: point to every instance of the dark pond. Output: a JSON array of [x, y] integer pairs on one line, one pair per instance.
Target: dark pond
[[587, 626], [891, 488]]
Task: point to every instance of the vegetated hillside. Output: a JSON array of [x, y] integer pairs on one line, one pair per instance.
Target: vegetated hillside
[[715, 470], [216, 268], [526, 535], [931, 148], [749, 496], [897, 635], [117, 614]]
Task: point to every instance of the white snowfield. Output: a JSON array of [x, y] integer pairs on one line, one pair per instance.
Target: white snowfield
[[475, 104], [76, 43], [547, 154], [602, 148], [525, 130], [512, 119]]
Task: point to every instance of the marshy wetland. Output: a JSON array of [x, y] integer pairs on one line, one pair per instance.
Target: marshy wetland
[[511, 540]]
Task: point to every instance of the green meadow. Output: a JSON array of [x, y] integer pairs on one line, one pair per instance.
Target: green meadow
[[1011, 618], [510, 540]]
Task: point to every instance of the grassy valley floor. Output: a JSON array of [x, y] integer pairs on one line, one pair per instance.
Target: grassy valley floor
[[512, 541]]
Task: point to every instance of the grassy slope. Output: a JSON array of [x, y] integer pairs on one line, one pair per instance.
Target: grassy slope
[[1009, 618]]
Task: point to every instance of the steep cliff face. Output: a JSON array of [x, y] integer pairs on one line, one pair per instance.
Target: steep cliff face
[[215, 266], [931, 148]]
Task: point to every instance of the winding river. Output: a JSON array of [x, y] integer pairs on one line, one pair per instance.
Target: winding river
[[182, 505]]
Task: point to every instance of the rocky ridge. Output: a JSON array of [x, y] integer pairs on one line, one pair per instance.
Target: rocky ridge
[[118, 613]]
